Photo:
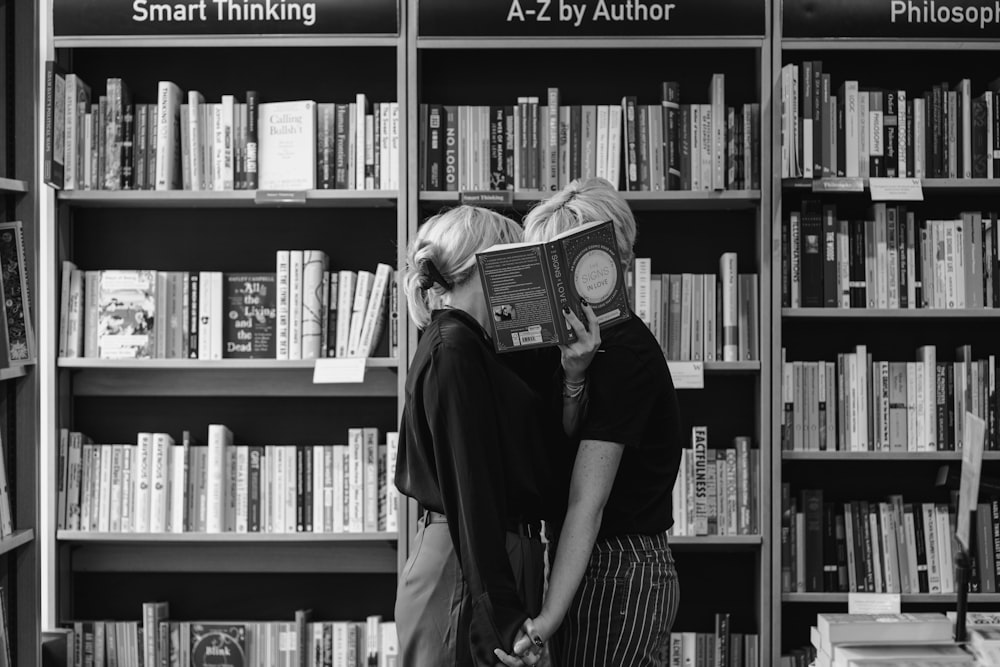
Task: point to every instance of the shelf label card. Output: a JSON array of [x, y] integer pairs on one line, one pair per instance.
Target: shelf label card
[[896, 189], [280, 197], [891, 19], [590, 18], [339, 371], [838, 185], [163, 18], [687, 374], [498, 198], [873, 603]]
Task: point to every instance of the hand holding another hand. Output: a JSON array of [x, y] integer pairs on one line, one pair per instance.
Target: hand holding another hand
[[528, 645]]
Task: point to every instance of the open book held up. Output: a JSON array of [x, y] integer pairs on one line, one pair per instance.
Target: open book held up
[[527, 284]]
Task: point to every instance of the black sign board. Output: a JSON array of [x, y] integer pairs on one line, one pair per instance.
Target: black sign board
[[590, 18], [892, 19], [157, 18]]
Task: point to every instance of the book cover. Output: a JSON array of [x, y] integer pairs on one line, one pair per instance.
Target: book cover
[[249, 328], [218, 644], [126, 314], [528, 284], [287, 145]]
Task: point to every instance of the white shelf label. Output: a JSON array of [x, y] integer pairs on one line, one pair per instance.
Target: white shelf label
[[896, 189], [873, 603], [687, 374], [339, 371]]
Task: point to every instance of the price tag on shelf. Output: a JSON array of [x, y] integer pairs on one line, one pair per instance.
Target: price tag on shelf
[[873, 603], [838, 185], [896, 189], [339, 371], [504, 198], [687, 374], [280, 197]]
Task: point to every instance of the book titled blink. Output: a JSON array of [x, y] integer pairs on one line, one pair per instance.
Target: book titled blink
[[218, 644], [252, 305], [527, 284]]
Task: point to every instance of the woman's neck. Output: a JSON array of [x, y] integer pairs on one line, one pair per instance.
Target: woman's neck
[[469, 300]]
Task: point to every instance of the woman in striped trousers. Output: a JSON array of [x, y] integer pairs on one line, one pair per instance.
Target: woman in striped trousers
[[613, 593]]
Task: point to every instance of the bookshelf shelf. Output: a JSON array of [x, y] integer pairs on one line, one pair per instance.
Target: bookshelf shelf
[[16, 539], [197, 364], [890, 314], [590, 43], [226, 199], [881, 456], [669, 200], [859, 44], [221, 538], [714, 542], [942, 186], [13, 373], [12, 185], [225, 41], [927, 598], [732, 367]]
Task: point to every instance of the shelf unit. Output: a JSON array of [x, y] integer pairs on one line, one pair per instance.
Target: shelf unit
[[20, 569], [906, 63], [448, 70], [262, 401]]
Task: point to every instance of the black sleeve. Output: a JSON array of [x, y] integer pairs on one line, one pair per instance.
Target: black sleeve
[[468, 454], [621, 397]]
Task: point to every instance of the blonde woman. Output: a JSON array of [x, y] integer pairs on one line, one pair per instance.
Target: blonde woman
[[613, 592], [473, 451]]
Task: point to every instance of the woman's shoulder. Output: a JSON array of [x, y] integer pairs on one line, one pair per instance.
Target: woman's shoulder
[[453, 330]]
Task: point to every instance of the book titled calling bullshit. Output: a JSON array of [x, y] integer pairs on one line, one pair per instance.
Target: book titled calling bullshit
[[527, 284]]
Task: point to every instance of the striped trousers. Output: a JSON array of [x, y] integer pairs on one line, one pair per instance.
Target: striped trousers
[[623, 611]]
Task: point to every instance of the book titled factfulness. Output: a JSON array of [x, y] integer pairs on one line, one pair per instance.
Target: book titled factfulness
[[528, 284]]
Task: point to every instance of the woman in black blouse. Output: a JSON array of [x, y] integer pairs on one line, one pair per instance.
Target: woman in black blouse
[[473, 451]]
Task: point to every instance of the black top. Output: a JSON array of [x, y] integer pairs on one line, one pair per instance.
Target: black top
[[633, 402], [471, 446]]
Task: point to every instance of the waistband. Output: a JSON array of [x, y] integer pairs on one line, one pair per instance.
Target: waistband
[[529, 529], [632, 542]]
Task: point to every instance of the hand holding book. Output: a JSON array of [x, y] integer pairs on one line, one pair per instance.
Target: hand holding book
[[577, 355]]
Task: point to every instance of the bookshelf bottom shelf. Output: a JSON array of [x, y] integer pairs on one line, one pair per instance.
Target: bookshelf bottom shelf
[[908, 598]]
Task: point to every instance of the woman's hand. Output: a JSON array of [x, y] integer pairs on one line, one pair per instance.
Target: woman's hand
[[529, 644], [576, 356]]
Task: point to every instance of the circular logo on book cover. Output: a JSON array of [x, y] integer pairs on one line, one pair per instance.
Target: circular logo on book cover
[[217, 648], [595, 276]]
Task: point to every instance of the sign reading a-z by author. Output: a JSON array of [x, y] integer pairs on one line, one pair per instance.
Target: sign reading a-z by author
[[85, 18], [888, 19], [590, 18]]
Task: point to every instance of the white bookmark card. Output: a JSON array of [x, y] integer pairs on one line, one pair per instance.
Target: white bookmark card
[[687, 374], [896, 189], [339, 371]]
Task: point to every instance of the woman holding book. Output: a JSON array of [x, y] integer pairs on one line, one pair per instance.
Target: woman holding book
[[473, 451], [613, 592]]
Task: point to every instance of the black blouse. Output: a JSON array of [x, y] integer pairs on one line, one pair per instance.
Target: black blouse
[[472, 446]]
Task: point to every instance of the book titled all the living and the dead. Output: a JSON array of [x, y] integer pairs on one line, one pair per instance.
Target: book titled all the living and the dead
[[527, 285]]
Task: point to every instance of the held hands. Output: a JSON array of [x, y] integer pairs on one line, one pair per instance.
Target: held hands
[[528, 644], [576, 356]]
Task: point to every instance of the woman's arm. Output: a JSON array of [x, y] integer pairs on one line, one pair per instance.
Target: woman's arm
[[575, 358]]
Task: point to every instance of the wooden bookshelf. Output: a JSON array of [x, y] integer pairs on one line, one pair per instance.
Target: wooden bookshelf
[[205, 364], [678, 200], [853, 457], [79, 536], [16, 540], [12, 185], [938, 186], [890, 313], [907, 598], [223, 199], [13, 373]]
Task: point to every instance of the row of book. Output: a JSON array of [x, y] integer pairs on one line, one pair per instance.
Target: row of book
[[158, 486], [889, 260], [858, 404], [638, 147], [717, 490], [945, 131], [723, 647], [157, 640], [887, 546], [180, 141], [301, 311]]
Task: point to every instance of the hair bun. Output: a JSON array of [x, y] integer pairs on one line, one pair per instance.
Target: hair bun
[[428, 274]]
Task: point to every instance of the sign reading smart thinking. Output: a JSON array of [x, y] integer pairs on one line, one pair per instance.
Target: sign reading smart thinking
[[91, 18]]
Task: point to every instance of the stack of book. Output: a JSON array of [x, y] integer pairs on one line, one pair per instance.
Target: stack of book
[[640, 147], [301, 311], [722, 647], [889, 259], [717, 490], [853, 130], [858, 404], [180, 141], [158, 486], [699, 317]]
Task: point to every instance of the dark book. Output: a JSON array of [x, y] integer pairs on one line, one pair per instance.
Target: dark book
[[300, 487], [671, 98], [450, 150], [250, 323], [841, 132], [840, 534], [981, 152], [498, 169], [17, 333], [723, 651], [942, 371], [920, 546], [856, 264], [949, 430], [818, 117], [831, 296], [528, 286], [828, 126], [890, 133], [434, 151], [128, 147], [325, 132], [307, 489], [575, 141], [256, 462], [193, 314], [631, 140], [812, 507], [910, 154], [786, 267], [141, 144], [218, 644], [811, 253], [787, 536], [868, 544], [685, 146], [423, 143], [341, 145], [830, 581], [937, 134], [807, 123], [903, 260], [54, 149], [508, 143], [642, 146]]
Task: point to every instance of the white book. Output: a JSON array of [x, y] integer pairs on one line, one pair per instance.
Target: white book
[[918, 137], [965, 124], [168, 136], [374, 319], [717, 95], [360, 139], [204, 314], [282, 316], [77, 100], [178, 485], [143, 477], [391, 492], [74, 469], [216, 326], [346, 285], [340, 458], [362, 292], [289, 488], [313, 315], [370, 512], [614, 144], [643, 268], [602, 140], [730, 307], [945, 531], [912, 433], [220, 439], [224, 149], [295, 258], [158, 497], [864, 134], [927, 357], [286, 145], [115, 503], [88, 149], [241, 502], [196, 162], [356, 480], [394, 146], [710, 316], [933, 556], [126, 522], [699, 445], [318, 488]]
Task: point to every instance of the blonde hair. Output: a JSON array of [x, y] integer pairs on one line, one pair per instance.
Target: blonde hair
[[580, 202], [445, 250]]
